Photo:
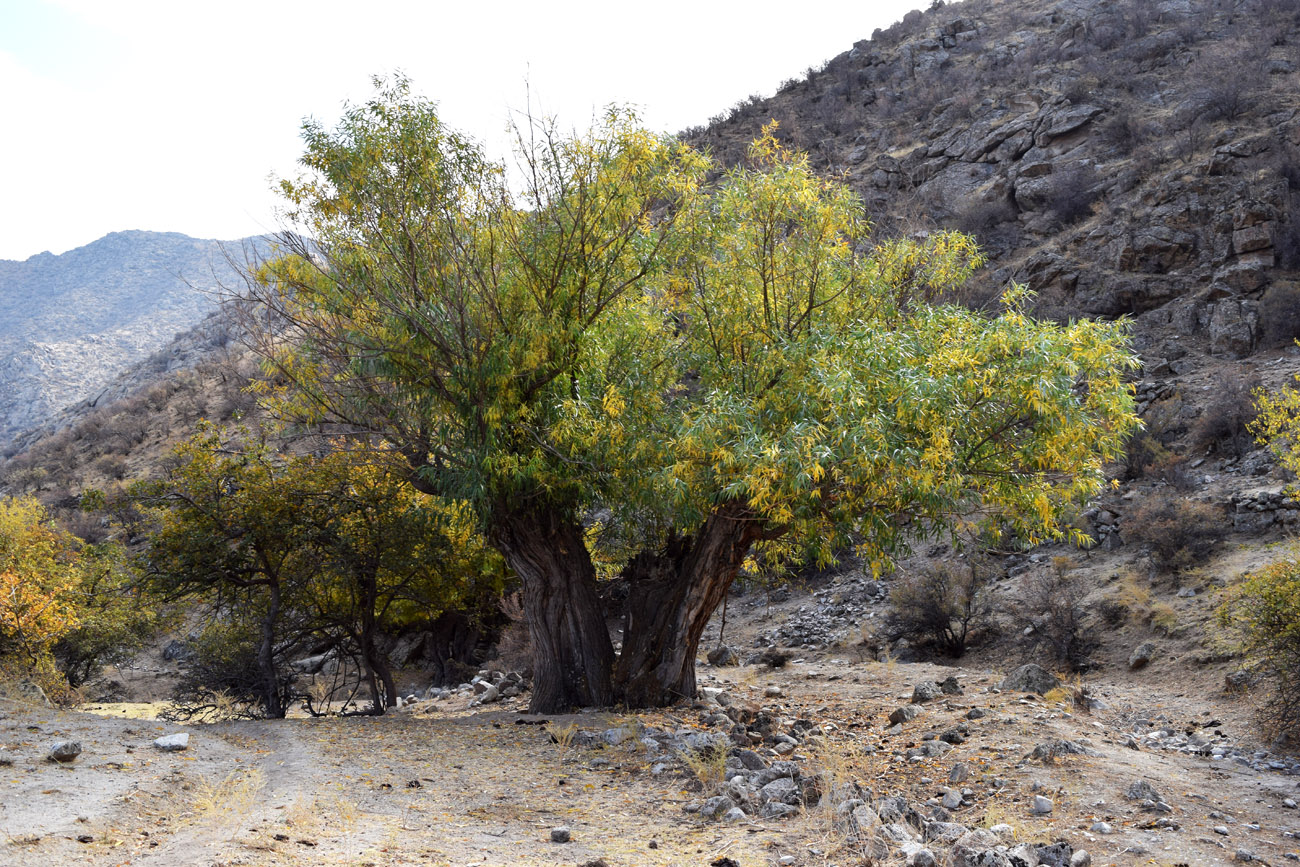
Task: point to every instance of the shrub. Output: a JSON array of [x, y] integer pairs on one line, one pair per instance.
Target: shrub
[[1224, 423], [1265, 611], [1279, 309], [1179, 532], [942, 605], [1052, 603], [1073, 194]]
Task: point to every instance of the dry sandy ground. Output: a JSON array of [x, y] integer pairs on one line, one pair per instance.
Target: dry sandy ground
[[461, 787]]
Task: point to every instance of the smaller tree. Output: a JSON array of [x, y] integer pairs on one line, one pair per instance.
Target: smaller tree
[[1265, 611], [38, 584], [943, 605], [307, 552]]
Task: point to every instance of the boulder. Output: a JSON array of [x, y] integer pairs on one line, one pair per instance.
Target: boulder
[[926, 690], [1141, 790], [907, 713], [64, 751], [1030, 678], [722, 655], [174, 743], [1141, 655]]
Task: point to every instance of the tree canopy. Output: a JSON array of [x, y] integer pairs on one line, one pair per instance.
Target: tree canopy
[[294, 552], [719, 363]]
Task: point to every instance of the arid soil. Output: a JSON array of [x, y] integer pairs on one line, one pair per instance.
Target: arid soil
[[439, 783]]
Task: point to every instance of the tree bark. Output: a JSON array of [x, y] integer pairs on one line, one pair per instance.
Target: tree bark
[[572, 654], [672, 594], [266, 657], [377, 671]]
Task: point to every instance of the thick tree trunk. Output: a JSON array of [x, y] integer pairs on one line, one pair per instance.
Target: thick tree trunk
[[377, 671], [572, 654], [271, 700], [672, 595]]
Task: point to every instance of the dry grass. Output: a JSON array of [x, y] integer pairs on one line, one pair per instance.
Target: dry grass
[[225, 802], [708, 766]]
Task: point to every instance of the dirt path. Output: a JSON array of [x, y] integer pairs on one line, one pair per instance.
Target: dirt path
[[466, 787]]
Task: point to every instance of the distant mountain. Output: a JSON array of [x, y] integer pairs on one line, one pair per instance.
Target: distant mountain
[[71, 323]]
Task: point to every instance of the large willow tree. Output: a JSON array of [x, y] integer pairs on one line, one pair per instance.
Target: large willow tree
[[721, 361]]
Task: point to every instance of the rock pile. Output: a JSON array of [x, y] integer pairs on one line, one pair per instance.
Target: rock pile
[[486, 687], [832, 615]]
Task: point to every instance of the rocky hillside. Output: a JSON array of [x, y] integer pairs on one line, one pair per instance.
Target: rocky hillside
[[1121, 157], [70, 323]]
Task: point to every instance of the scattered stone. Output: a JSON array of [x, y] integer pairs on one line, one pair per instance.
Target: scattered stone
[[1042, 806], [950, 686], [1141, 790], [924, 691], [64, 751], [772, 692], [561, 834], [1141, 655], [1053, 750], [1030, 678], [1221, 830], [722, 655], [173, 743], [1101, 828], [960, 773], [906, 713], [952, 799]]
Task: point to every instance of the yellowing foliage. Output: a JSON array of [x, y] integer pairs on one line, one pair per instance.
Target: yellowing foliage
[[39, 581]]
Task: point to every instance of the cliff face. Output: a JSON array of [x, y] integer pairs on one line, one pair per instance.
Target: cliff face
[[1121, 157], [71, 323]]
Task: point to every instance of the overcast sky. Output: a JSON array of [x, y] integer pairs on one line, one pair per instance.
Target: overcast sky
[[172, 116]]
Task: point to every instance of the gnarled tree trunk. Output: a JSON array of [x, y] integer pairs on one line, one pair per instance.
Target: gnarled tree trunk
[[672, 594], [572, 654]]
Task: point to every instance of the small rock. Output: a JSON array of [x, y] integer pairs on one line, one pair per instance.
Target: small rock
[[960, 773], [561, 835], [772, 692], [723, 655], [1081, 858], [1042, 806], [1101, 828], [1030, 678], [924, 691], [906, 713], [1289, 803], [952, 800], [1141, 655], [173, 743], [1141, 790], [950, 686], [64, 751], [1221, 830]]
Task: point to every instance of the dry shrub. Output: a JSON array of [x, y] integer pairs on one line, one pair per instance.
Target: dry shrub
[[1279, 309], [1052, 603], [1224, 423], [1265, 611], [514, 647], [943, 605], [1179, 532]]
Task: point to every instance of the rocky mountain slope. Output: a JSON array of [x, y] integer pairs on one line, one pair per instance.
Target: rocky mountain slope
[[1121, 157], [70, 323]]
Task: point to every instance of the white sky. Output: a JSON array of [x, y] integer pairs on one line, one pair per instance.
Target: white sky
[[172, 115]]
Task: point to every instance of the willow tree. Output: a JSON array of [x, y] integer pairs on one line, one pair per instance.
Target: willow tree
[[726, 366], [836, 401]]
